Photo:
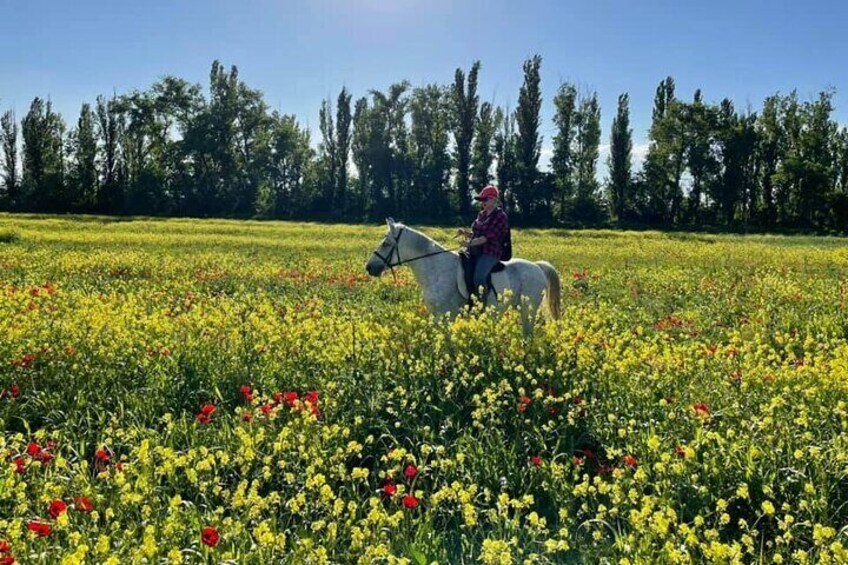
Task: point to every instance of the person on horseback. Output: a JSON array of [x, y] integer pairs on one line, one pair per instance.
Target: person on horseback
[[486, 237]]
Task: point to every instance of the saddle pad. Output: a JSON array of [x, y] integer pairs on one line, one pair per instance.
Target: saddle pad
[[499, 276]]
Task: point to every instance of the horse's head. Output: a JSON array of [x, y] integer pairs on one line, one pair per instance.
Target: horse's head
[[387, 254]]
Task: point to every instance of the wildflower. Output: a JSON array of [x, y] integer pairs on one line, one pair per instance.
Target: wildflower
[[630, 461], [209, 536], [5, 547], [312, 397], [57, 507], [578, 461], [523, 403], [389, 489], [679, 451], [39, 528], [701, 409], [536, 460], [410, 472], [102, 456], [289, 398], [20, 465], [246, 393], [410, 501], [83, 504], [7, 560], [247, 416], [14, 391], [266, 409]]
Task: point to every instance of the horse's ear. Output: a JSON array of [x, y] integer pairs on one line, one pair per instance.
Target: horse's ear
[[391, 223]]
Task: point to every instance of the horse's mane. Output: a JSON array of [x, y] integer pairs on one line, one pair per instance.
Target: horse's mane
[[429, 241]]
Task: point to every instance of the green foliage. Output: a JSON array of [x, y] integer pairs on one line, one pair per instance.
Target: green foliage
[[419, 153]]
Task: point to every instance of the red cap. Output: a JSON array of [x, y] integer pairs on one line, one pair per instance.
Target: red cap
[[490, 191]]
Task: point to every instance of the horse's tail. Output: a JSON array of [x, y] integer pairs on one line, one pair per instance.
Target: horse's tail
[[553, 292]]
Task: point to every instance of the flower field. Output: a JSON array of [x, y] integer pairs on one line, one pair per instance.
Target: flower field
[[187, 391]]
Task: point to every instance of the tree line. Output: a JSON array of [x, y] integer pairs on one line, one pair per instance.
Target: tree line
[[419, 153]]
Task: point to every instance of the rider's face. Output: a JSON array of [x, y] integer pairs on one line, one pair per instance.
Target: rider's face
[[489, 204]]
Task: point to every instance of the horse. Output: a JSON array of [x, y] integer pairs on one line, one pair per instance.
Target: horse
[[438, 272]]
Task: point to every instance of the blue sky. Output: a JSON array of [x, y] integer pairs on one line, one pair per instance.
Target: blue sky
[[300, 51]]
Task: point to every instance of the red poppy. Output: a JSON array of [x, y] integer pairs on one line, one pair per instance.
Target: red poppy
[[523, 403], [57, 507], [208, 409], [7, 560], [679, 451], [20, 465], [578, 461], [701, 409], [33, 449], [312, 397], [14, 391], [410, 501], [119, 466], [40, 528], [5, 547], [630, 461], [410, 472], [246, 393], [247, 416], [266, 408], [389, 489], [83, 504], [289, 398], [203, 418], [102, 455], [209, 536], [536, 460]]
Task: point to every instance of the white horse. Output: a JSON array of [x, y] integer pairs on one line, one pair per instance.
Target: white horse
[[439, 273]]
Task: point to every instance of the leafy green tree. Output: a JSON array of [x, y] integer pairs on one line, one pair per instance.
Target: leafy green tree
[[529, 141], [360, 154], [664, 163], [110, 126], [770, 148], [506, 152], [9, 144], [43, 158], [328, 158], [621, 149], [563, 161], [282, 194], [815, 180], [699, 128], [737, 147], [587, 208], [463, 123], [82, 181], [430, 153], [482, 153], [344, 132]]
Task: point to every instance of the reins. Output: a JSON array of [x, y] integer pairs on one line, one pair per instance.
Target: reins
[[396, 251]]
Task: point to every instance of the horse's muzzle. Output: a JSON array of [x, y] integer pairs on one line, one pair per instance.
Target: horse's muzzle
[[373, 269]]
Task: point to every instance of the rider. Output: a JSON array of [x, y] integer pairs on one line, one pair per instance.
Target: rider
[[486, 236]]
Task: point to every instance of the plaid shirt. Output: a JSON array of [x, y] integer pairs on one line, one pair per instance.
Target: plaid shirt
[[493, 227]]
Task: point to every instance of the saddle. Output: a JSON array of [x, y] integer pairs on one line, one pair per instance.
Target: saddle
[[466, 275]]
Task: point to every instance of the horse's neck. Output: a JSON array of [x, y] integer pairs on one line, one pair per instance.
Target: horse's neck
[[428, 271]]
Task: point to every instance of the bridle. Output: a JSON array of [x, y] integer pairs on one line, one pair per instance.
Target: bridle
[[395, 250]]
